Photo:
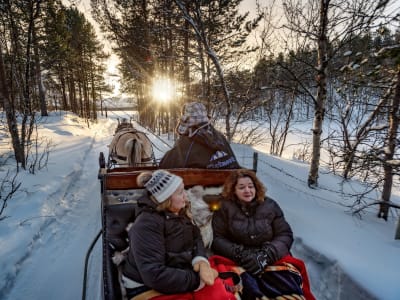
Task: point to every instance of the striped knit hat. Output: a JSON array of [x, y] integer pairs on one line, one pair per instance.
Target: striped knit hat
[[162, 185]]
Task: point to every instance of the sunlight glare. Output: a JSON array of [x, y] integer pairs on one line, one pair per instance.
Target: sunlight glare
[[112, 76], [163, 89]]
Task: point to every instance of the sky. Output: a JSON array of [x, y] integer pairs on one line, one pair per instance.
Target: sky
[[50, 222]]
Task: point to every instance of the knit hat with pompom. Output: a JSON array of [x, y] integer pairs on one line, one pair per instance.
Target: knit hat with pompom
[[162, 185]]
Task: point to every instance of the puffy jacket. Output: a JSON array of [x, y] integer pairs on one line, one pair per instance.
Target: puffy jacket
[[238, 226], [162, 246], [207, 148]]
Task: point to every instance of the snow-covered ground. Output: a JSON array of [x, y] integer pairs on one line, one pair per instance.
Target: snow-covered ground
[[48, 226]]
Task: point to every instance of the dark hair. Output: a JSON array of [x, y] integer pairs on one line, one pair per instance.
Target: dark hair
[[230, 185]]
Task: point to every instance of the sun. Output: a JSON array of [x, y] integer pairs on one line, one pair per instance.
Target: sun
[[163, 89]]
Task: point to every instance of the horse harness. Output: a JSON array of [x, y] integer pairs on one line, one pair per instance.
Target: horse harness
[[114, 150]]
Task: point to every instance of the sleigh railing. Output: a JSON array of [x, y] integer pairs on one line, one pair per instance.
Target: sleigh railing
[[125, 178]]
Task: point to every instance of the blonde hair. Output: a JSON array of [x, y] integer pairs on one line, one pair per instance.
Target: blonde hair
[[143, 178]]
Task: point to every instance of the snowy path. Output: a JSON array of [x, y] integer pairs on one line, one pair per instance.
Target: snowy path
[[61, 244], [65, 218]]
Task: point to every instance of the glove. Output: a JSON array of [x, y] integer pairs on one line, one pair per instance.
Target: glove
[[254, 261], [270, 252], [207, 274]]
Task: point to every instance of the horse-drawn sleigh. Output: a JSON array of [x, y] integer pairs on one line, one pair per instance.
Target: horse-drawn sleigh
[[119, 195]]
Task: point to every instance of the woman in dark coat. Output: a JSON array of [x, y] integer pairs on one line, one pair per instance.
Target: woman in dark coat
[[166, 249], [250, 228]]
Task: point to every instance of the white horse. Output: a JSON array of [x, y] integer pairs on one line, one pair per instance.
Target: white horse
[[131, 147]]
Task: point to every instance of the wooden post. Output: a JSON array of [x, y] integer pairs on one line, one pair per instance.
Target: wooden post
[[255, 161], [397, 235]]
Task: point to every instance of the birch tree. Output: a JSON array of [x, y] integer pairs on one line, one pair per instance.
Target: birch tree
[[327, 25], [391, 157], [391, 145]]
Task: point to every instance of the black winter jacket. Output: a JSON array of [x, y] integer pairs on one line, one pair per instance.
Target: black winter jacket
[[162, 246], [238, 226], [207, 148]]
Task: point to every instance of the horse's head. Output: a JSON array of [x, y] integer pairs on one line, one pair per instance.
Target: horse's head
[[124, 125]]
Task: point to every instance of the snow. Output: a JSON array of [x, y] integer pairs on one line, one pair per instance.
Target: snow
[[49, 224]]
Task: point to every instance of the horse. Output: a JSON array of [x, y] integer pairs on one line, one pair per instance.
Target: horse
[[131, 147]]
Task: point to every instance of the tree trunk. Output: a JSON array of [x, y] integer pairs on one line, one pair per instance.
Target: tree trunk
[[26, 130], [320, 100], [93, 93], [11, 119], [81, 112], [186, 68], [201, 35], [390, 149], [38, 74], [202, 67], [212, 55], [86, 98], [63, 91], [72, 93], [283, 136]]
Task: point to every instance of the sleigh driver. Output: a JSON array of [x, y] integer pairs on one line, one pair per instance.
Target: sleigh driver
[[199, 144]]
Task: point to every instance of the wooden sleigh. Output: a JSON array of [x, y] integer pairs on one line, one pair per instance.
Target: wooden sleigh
[[119, 195]]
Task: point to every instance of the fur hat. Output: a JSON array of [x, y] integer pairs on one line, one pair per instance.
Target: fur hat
[[162, 185], [194, 113]]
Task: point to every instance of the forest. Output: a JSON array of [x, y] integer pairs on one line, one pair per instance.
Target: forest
[[329, 61]]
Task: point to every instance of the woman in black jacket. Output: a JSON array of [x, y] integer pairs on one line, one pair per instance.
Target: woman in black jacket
[[166, 249], [250, 228]]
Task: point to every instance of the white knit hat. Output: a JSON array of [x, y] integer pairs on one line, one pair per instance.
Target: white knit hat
[[163, 184]]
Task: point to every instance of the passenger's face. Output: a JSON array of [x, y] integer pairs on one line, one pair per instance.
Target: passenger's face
[[245, 189], [178, 199]]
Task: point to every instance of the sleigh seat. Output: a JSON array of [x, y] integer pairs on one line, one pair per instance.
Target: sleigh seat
[[119, 208]]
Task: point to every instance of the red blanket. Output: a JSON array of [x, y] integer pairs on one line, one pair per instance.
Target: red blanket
[[222, 264], [299, 264], [218, 291], [224, 289], [214, 292]]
